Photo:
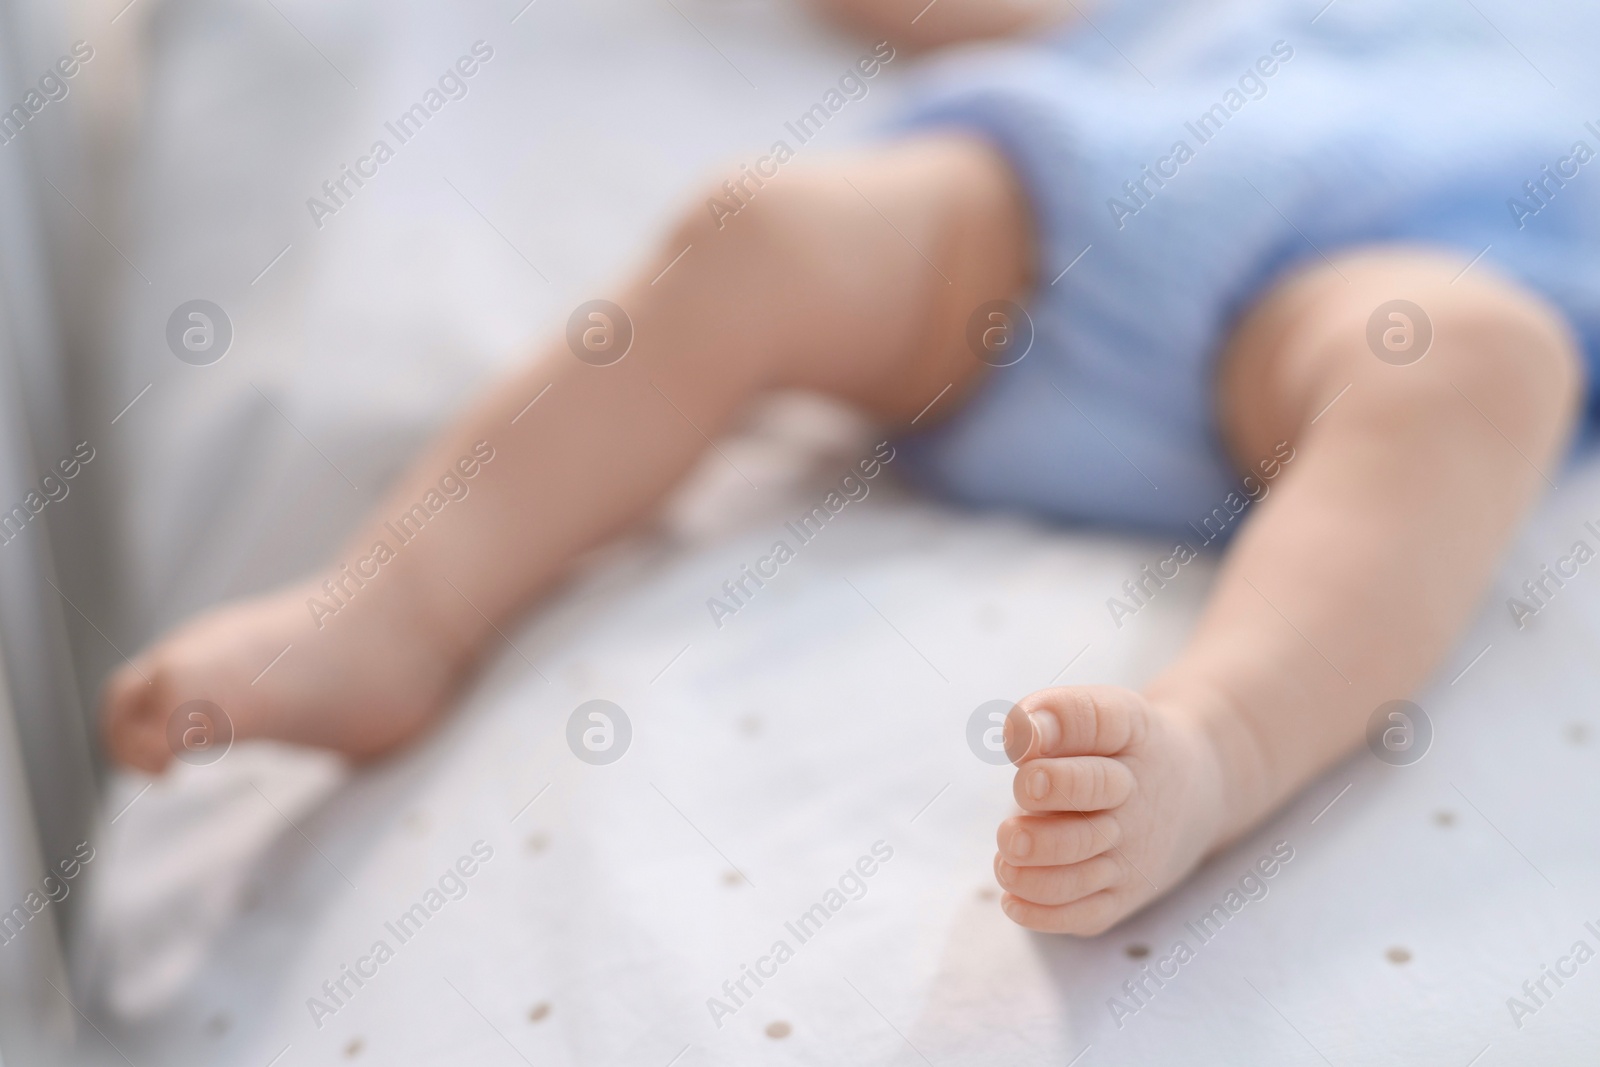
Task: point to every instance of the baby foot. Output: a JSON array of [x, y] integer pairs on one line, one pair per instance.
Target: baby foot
[[365, 681], [1123, 798]]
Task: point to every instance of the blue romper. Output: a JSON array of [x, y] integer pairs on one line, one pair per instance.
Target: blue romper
[[1181, 155]]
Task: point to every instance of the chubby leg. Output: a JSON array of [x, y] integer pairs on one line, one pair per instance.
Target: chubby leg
[[810, 286], [1344, 590]]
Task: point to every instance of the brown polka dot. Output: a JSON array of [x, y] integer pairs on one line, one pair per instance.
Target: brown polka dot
[[539, 1011], [537, 843], [1398, 955], [1445, 818], [732, 878], [1138, 952], [779, 1029], [353, 1049], [988, 892]]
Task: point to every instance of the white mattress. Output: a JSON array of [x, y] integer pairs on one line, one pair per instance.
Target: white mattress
[[769, 755]]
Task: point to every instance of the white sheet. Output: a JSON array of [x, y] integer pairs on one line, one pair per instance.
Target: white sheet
[[827, 716]]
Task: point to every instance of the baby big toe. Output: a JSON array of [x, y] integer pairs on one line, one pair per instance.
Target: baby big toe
[[1096, 720]]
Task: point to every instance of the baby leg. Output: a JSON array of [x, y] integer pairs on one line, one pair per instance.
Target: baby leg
[[855, 280], [1344, 590], [919, 24]]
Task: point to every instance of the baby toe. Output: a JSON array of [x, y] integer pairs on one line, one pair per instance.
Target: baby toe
[[1077, 783], [1086, 917], [1059, 885], [131, 723], [1052, 840]]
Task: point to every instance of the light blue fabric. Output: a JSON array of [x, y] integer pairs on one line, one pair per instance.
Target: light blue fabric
[[1392, 120]]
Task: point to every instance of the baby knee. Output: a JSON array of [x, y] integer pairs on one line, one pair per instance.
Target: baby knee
[[1415, 328], [1476, 338], [1513, 346]]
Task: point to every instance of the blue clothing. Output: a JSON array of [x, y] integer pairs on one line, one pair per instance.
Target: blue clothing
[[1181, 155]]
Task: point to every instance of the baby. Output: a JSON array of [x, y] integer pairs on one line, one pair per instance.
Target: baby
[[1354, 253]]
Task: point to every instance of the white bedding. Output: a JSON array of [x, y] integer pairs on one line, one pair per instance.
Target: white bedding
[[769, 755]]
